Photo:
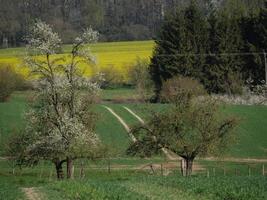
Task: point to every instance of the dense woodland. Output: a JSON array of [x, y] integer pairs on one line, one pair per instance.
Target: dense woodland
[[224, 50], [115, 19]]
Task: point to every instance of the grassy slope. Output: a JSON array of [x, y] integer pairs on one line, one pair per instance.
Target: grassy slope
[[109, 129], [111, 132], [252, 139], [251, 135], [11, 116]]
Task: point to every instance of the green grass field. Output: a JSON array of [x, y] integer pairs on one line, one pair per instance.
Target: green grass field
[[251, 135], [227, 180], [127, 177], [125, 184]]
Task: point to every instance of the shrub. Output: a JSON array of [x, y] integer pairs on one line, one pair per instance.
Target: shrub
[[140, 78], [10, 81], [180, 87], [110, 77]]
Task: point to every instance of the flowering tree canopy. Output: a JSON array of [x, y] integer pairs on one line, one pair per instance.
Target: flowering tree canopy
[[60, 125]]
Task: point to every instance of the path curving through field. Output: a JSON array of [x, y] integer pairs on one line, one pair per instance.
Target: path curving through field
[[168, 154]]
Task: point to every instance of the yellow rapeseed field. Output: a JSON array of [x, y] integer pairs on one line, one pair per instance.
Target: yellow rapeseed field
[[116, 55]]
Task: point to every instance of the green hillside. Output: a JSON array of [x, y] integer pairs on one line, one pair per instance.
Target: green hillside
[[251, 135]]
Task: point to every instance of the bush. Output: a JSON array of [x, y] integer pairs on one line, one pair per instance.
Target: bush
[[181, 87], [140, 78], [10, 81], [110, 77], [230, 84]]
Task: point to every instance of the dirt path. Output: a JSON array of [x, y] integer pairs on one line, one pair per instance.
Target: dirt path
[[135, 115], [32, 193], [169, 155], [238, 160], [127, 128]]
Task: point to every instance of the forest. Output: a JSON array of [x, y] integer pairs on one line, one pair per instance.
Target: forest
[[116, 20]]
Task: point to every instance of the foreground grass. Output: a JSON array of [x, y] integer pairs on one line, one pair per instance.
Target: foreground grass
[[125, 184], [9, 190]]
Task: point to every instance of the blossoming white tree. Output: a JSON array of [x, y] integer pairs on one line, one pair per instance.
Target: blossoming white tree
[[60, 125]]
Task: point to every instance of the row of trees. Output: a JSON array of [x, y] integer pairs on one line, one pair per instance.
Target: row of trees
[[222, 50], [115, 20]]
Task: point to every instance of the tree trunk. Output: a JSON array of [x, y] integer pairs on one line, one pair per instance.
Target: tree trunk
[[5, 42], [189, 166], [59, 169], [69, 168], [183, 167]]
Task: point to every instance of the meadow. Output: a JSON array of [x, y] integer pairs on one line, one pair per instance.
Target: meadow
[[123, 177], [251, 141], [126, 184], [119, 176]]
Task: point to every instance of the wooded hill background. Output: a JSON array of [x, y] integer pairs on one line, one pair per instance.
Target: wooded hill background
[[116, 20]]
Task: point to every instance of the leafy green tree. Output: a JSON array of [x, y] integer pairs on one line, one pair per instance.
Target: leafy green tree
[[9, 82], [140, 78], [6, 83], [172, 88], [190, 127]]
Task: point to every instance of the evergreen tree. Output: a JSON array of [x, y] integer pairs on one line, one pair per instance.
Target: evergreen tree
[[254, 31], [179, 47], [222, 71]]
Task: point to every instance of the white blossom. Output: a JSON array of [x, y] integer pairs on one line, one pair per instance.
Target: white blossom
[[60, 119], [43, 40]]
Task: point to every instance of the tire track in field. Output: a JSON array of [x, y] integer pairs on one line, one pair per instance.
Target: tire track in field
[[170, 155], [127, 128], [135, 115]]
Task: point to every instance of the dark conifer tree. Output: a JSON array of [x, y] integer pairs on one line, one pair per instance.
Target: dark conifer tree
[[254, 31], [222, 73], [179, 47]]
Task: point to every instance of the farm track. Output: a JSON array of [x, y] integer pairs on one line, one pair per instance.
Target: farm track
[[32, 193], [238, 160], [135, 115], [127, 128], [170, 155]]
